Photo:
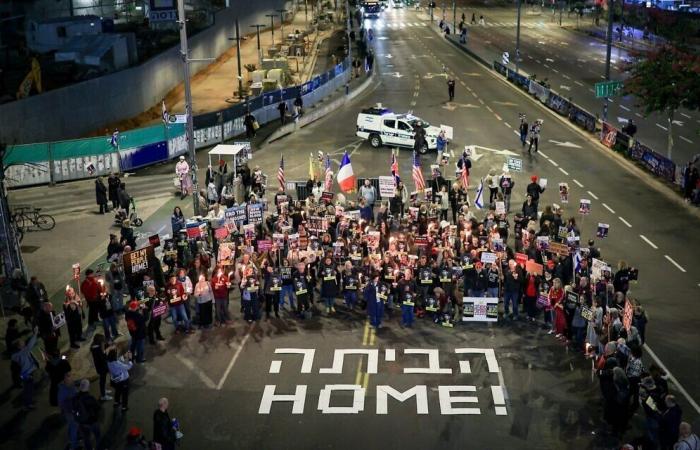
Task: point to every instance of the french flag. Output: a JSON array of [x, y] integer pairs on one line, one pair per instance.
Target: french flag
[[346, 178]]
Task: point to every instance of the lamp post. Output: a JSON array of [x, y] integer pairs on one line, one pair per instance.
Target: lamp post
[[608, 54], [272, 26], [517, 40], [282, 13], [257, 27], [238, 40]]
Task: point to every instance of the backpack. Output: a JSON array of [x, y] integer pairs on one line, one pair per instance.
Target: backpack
[[82, 414]]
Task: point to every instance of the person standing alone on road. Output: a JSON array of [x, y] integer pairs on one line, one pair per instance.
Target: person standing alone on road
[[523, 129], [182, 170], [164, 432], [282, 108], [535, 135], [101, 195], [451, 88], [113, 183]]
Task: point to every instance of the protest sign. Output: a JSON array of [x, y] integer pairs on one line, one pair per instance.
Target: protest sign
[[249, 231], [542, 243], [572, 298], [449, 131], [227, 252], [627, 314], [587, 313], [387, 185], [327, 197], [543, 183], [563, 232], [76, 271], [564, 192], [293, 241], [532, 267], [497, 245], [584, 206], [514, 164], [221, 233], [488, 258], [154, 240], [278, 240], [480, 309], [159, 310], [264, 245], [500, 208], [420, 241], [373, 239], [255, 213], [138, 261], [602, 230], [599, 269], [58, 320], [521, 259], [558, 248]]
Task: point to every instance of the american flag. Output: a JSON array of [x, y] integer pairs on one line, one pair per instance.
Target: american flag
[[395, 167], [280, 173], [329, 174], [417, 173]]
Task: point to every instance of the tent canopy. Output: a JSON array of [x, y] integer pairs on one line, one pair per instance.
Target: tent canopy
[[227, 150]]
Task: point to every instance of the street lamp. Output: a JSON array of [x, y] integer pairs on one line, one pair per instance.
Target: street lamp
[[517, 40], [238, 40], [282, 12], [608, 54], [272, 26], [257, 27]]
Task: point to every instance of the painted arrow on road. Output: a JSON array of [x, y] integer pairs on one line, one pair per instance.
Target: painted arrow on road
[[429, 75], [565, 87], [549, 60], [564, 144], [451, 106], [678, 122], [504, 152], [388, 55]]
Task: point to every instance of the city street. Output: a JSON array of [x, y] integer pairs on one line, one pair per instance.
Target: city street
[[527, 389]]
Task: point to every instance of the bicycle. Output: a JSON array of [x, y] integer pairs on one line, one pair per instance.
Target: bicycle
[[25, 217]]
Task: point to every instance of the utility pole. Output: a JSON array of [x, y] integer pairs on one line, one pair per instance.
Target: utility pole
[[10, 251], [272, 27], [306, 14], [608, 54], [238, 40], [517, 40], [282, 13], [454, 16], [257, 27], [189, 127], [348, 26]]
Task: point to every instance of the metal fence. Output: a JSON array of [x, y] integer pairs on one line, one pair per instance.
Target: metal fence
[[50, 162]]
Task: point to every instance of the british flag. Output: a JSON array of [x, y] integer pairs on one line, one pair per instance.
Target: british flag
[[417, 173]]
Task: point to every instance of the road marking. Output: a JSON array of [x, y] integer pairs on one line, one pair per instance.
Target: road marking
[[591, 90], [233, 361], [608, 208], [498, 117], [197, 370], [592, 195], [686, 139], [541, 153], [645, 239], [673, 379], [555, 71], [624, 107], [662, 127], [678, 266], [686, 116], [413, 103], [372, 335], [638, 115], [553, 162], [489, 108], [480, 101], [577, 183], [629, 225], [563, 171], [508, 125], [462, 83], [365, 336], [566, 76]]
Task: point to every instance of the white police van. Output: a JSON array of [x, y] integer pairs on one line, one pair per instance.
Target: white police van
[[381, 126]]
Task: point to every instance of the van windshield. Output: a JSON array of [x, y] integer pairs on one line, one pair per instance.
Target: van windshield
[[413, 123]]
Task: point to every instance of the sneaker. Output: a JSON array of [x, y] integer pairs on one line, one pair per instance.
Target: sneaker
[[328, 310], [332, 308], [106, 398], [550, 332]]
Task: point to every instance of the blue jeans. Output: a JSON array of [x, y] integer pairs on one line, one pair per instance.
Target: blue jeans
[[329, 301], [177, 313], [510, 298], [548, 316], [110, 323], [73, 429], [407, 315], [117, 300], [287, 292], [221, 308], [136, 348], [28, 390], [350, 298], [492, 292]]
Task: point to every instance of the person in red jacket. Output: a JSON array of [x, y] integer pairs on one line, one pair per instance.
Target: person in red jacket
[[220, 285], [91, 289], [176, 298]]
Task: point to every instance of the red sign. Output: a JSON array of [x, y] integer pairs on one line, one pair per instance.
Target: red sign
[[627, 315], [221, 233], [521, 259], [532, 267], [421, 241]]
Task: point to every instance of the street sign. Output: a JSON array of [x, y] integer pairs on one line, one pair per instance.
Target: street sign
[[608, 89]]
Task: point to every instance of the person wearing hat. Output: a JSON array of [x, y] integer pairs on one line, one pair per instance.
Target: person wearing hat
[[136, 323], [182, 170], [86, 413], [135, 440], [534, 190]]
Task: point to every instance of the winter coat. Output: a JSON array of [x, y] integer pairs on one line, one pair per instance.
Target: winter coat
[[100, 192]]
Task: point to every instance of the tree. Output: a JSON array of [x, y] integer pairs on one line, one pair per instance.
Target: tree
[[664, 80]]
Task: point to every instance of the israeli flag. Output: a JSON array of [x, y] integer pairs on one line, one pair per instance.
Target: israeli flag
[[114, 141], [577, 261], [479, 200]]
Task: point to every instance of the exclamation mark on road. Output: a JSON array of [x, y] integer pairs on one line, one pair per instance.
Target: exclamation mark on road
[[499, 400]]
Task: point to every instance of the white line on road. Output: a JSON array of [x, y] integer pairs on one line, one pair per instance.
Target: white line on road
[[624, 107], [542, 153], [233, 361], [638, 115], [555, 71], [686, 116], [197, 371], [516, 133], [566, 76], [578, 183], [662, 127], [591, 91], [563, 171], [673, 379], [629, 225], [645, 239], [508, 125], [489, 108], [579, 83], [413, 103], [678, 266], [608, 208], [592, 195], [686, 139], [553, 162]]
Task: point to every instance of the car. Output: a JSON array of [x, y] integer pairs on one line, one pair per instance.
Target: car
[[398, 4], [371, 9], [380, 126]]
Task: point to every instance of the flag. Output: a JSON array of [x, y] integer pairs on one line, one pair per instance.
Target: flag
[[464, 176], [280, 173], [312, 172], [417, 173], [577, 261], [114, 140], [479, 200], [346, 177], [395, 167], [329, 174], [164, 114]]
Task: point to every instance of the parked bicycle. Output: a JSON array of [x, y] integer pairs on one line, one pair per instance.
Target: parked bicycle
[[27, 218]]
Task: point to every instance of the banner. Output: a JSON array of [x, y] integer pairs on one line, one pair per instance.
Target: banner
[[652, 161], [558, 104], [582, 118], [608, 135], [480, 309], [138, 261], [539, 91], [386, 186]]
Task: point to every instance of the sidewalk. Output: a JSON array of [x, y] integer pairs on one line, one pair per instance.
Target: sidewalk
[[214, 87]]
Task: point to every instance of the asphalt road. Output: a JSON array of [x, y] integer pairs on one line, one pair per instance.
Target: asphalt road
[[216, 380], [573, 62]]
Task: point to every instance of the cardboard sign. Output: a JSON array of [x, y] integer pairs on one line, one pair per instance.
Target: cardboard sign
[[514, 164], [543, 183], [154, 240], [599, 269], [278, 240], [227, 252], [564, 192], [627, 314], [235, 215], [497, 245], [386, 186], [255, 213], [584, 206], [563, 233], [327, 197], [264, 245], [480, 309], [488, 258], [58, 320], [138, 261], [293, 241], [572, 297], [587, 313], [221, 233], [500, 208], [532, 267], [603, 229], [449, 131], [421, 241], [558, 248], [542, 243], [159, 310], [76, 271], [521, 259], [373, 239]]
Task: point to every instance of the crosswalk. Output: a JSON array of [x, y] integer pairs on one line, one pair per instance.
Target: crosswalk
[[394, 25]]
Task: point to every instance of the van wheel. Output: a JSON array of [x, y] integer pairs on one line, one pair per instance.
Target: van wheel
[[423, 149], [375, 141]]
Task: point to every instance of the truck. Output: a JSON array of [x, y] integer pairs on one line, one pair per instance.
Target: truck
[[381, 126]]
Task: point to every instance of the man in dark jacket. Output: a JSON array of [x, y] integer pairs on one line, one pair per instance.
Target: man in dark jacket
[[163, 430], [124, 198], [512, 291], [86, 412], [534, 190], [113, 182], [249, 122], [136, 323], [101, 195], [282, 108]]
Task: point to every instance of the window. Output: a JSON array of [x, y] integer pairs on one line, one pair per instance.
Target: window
[[403, 126], [390, 123]]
